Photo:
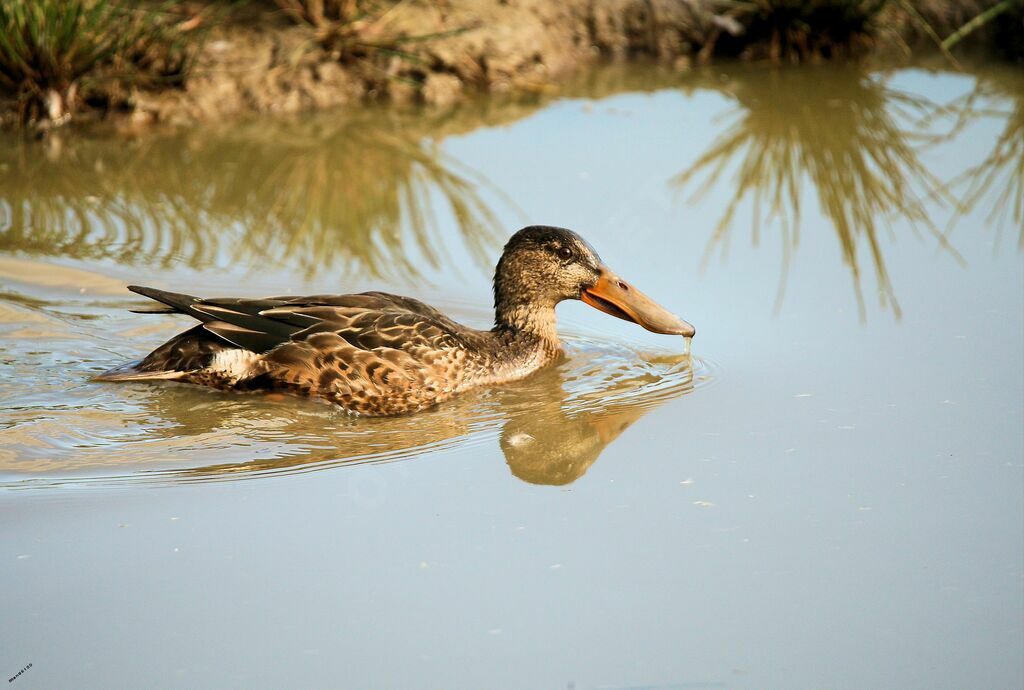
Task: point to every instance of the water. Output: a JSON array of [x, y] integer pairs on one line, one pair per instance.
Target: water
[[825, 493]]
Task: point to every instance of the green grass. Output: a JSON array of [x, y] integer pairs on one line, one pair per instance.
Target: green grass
[[54, 54]]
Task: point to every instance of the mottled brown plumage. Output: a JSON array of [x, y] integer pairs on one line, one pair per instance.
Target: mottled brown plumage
[[379, 354]]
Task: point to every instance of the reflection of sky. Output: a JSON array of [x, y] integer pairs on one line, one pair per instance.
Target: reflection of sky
[[865, 477], [919, 418], [629, 145], [604, 172]]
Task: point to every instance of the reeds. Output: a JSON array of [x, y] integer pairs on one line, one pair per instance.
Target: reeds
[[55, 53]]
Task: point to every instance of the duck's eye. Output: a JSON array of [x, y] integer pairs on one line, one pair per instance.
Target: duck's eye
[[564, 253]]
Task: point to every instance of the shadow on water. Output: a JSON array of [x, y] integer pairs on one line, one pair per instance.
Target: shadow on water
[[353, 193], [840, 131], [551, 427]]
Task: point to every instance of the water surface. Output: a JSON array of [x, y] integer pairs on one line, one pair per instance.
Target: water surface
[[827, 494]]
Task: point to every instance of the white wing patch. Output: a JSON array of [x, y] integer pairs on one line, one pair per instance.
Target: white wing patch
[[235, 364]]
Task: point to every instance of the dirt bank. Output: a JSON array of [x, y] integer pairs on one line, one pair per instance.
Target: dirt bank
[[262, 62], [258, 60]]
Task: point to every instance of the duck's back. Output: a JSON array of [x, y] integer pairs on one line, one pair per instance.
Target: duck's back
[[371, 353]]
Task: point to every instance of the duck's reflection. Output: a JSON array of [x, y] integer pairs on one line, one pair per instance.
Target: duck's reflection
[[550, 428], [839, 131], [357, 193], [556, 427], [559, 449]]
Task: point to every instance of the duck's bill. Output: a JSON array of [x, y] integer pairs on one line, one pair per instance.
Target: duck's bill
[[614, 296]]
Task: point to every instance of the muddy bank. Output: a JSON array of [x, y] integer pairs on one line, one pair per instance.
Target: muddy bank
[[262, 62], [257, 60]]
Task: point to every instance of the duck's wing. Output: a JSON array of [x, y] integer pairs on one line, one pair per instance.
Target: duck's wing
[[372, 353], [367, 321]]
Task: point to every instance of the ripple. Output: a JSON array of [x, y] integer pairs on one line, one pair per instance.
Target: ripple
[[600, 373], [559, 418]]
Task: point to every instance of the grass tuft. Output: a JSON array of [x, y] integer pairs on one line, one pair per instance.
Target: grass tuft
[[55, 54]]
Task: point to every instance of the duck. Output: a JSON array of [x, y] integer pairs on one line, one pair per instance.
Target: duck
[[379, 354]]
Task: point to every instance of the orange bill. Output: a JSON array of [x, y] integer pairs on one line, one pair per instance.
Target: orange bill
[[614, 296]]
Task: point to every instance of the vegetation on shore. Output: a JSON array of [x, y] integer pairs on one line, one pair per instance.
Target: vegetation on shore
[[57, 56]]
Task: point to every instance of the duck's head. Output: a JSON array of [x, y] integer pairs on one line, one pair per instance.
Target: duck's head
[[542, 266]]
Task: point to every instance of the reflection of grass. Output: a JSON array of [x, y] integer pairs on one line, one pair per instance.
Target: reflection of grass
[[321, 193], [999, 178], [837, 130]]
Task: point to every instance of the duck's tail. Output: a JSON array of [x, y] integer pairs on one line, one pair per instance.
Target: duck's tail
[[174, 302], [148, 369]]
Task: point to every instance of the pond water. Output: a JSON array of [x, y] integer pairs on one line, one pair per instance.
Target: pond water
[[829, 493]]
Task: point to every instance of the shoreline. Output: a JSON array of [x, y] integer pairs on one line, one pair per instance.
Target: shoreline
[[258, 61]]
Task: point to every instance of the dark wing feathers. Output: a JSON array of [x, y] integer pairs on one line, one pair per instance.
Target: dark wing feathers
[[245, 338], [186, 351], [177, 301], [243, 325], [155, 310], [368, 321]]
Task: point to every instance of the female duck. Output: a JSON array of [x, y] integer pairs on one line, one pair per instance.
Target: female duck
[[380, 354]]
